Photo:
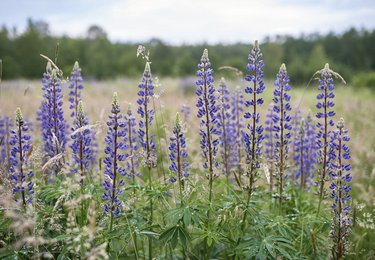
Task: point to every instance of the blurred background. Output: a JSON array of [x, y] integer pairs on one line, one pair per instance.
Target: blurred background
[[103, 36]]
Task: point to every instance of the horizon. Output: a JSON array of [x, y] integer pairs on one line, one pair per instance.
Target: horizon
[[221, 24]]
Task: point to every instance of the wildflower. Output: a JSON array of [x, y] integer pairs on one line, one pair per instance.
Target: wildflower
[[270, 143], [325, 104], [75, 87], [113, 171], [145, 93], [82, 142], [208, 114], [282, 126], [21, 144], [306, 153], [226, 129], [51, 116], [178, 155], [237, 128], [5, 126], [131, 145], [253, 136], [339, 172], [185, 110]]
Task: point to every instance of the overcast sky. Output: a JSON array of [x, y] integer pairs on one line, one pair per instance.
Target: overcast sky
[[191, 21]]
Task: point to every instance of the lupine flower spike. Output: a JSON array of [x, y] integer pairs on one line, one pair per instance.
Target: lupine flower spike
[[113, 171], [5, 126], [237, 127], [270, 144], [305, 153], [226, 137], [185, 110], [325, 104], [282, 127], [339, 172], [131, 146], [253, 136], [51, 116], [179, 157], [21, 145], [208, 113], [82, 143], [75, 88]]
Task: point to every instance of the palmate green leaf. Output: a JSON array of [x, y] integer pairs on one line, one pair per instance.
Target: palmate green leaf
[[174, 235]]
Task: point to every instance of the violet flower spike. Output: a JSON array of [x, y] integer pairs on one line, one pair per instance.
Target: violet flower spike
[[339, 172], [208, 111], [270, 143], [75, 89], [5, 126], [21, 145]]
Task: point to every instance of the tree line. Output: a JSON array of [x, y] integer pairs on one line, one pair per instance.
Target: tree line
[[348, 53]]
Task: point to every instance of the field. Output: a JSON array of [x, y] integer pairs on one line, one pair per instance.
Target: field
[[66, 220]]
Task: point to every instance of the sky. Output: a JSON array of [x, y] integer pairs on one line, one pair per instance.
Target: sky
[[191, 21]]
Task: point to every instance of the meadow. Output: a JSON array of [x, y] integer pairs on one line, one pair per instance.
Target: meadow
[[70, 218]]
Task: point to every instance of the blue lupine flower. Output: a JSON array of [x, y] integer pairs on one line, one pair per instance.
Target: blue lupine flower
[[145, 94], [113, 171], [5, 126], [227, 137], [185, 110], [21, 145], [325, 106], [52, 123], [282, 126], [339, 172], [296, 127], [306, 153], [131, 145], [269, 137], [178, 155], [237, 127], [82, 143], [75, 88], [253, 135], [208, 111]]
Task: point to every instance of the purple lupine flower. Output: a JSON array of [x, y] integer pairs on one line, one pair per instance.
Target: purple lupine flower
[[185, 110], [21, 145], [339, 172], [325, 104], [113, 171], [145, 94], [226, 129], [306, 153], [75, 88], [208, 114], [52, 123], [131, 146], [237, 127], [253, 136], [269, 137], [5, 126], [296, 126], [178, 156], [82, 143], [282, 127]]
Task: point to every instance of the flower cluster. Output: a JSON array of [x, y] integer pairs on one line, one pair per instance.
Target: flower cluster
[[325, 106], [5, 126], [145, 93], [75, 88], [208, 113], [339, 172], [282, 125], [131, 145], [227, 137], [253, 136], [185, 110], [178, 153], [21, 144], [82, 142], [112, 183], [52, 123], [306, 153], [237, 110]]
